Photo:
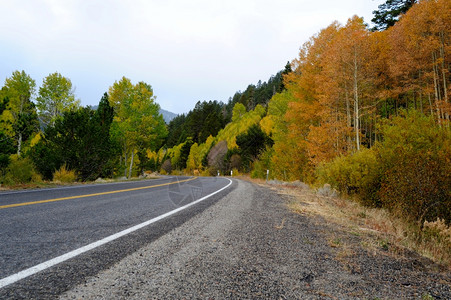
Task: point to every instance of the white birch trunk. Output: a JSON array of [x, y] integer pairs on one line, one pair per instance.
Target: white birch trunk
[[356, 105], [131, 164], [437, 97], [19, 144], [442, 56], [125, 161]]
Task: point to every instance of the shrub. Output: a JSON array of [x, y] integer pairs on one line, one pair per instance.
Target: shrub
[[416, 157], [177, 173], [437, 237], [64, 175], [211, 171], [358, 173], [263, 164], [6, 149], [20, 171], [45, 159], [290, 161], [409, 172]]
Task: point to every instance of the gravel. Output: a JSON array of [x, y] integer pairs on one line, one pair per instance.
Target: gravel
[[250, 245]]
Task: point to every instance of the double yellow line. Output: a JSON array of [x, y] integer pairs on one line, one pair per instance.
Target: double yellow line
[[92, 195]]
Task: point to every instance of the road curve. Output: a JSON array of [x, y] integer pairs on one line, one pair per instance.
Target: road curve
[[249, 245], [41, 225]]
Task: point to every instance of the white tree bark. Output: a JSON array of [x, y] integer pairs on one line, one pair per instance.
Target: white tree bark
[[19, 144], [131, 164], [356, 104]]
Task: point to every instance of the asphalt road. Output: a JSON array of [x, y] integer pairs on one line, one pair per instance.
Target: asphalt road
[[40, 225], [250, 245]]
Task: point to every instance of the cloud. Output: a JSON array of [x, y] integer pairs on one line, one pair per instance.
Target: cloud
[[187, 50]]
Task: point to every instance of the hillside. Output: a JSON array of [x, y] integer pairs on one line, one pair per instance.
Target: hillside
[[167, 115]]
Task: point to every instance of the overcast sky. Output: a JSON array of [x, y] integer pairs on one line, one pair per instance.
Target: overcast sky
[[187, 50]]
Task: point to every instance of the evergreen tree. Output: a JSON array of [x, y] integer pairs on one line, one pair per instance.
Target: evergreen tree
[[286, 71], [176, 131], [104, 118], [105, 113], [251, 144], [79, 139], [259, 94], [389, 12], [184, 153], [206, 119]]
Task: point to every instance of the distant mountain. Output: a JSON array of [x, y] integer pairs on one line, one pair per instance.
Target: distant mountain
[[167, 115]]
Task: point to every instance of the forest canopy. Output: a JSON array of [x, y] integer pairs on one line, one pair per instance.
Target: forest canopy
[[365, 110]]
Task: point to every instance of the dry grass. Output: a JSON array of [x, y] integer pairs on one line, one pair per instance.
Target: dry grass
[[437, 240], [377, 229], [281, 224], [64, 175]]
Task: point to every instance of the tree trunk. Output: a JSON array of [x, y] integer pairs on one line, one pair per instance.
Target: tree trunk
[[371, 128], [420, 91], [131, 164], [442, 56], [431, 108], [348, 109], [415, 100], [348, 119], [396, 107], [125, 161], [120, 160], [356, 105], [337, 120], [437, 95], [421, 100], [375, 127], [19, 144]]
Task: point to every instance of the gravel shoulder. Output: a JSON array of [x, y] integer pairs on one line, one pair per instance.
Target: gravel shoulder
[[251, 245]]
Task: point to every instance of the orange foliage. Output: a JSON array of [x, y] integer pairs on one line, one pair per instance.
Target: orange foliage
[[347, 78], [419, 56]]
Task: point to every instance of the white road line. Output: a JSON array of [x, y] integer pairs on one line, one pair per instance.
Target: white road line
[[50, 263]]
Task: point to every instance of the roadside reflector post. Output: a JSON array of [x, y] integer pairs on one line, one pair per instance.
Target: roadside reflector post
[[267, 175]]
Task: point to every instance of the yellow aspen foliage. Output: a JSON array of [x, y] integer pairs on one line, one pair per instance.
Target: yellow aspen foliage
[[36, 139], [193, 158], [241, 121], [152, 155], [267, 124]]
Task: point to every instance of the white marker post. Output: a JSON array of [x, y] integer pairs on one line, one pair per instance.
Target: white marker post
[[267, 175], [231, 173]]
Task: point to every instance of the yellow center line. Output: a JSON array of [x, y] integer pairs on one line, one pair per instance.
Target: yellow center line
[[92, 195]]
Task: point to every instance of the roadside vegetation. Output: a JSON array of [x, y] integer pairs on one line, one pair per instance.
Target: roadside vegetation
[[377, 229], [52, 138], [364, 110]]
